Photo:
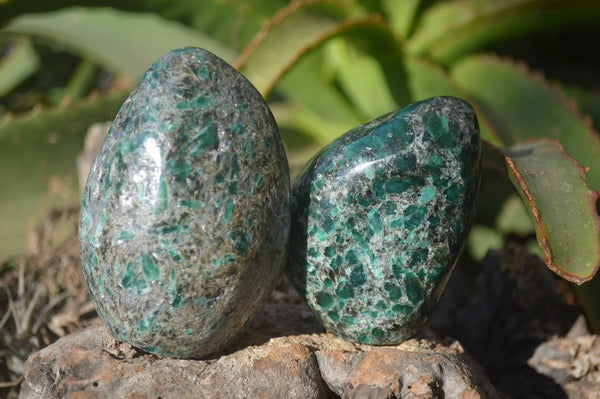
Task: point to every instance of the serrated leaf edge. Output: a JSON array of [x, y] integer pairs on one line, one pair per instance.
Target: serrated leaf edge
[[548, 258], [456, 86], [540, 78], [282, 15], [495, 13]]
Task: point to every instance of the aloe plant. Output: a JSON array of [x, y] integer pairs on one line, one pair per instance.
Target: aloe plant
[[327, 66]]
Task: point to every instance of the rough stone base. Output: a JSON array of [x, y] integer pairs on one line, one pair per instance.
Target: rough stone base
[[91, 364]]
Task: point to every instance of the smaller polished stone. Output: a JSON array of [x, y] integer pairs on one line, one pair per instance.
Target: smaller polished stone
[[185, 216], [380, 217]]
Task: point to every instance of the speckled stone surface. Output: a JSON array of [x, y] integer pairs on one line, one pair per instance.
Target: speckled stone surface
[[185, 215], [380, 216]]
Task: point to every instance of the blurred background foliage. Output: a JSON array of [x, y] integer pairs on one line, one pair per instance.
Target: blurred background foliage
[[527, 66]]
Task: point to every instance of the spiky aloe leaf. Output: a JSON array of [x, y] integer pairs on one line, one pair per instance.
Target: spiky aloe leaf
[[38, 153], [97, 34], [20, 63], [449, 30], [562, 205], [525, 111], [291, 33]]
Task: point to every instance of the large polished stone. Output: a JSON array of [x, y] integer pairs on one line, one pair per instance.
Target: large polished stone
[[380, 216], [185, 215]]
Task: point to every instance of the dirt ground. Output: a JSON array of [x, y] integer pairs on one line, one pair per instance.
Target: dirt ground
[[43, 296]]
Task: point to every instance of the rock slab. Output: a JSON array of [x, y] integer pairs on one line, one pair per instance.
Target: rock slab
[[91, 364]]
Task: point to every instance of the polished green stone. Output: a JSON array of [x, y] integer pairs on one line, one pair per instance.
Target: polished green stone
[[380, 216], [185, 216]]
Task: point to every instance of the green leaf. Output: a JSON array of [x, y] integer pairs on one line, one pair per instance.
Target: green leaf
[[514, 218], [127, 43], [588, 102], [588, 294], [495, 187], [521, 105], [288, 36], [449, 30], [230, 22], [401, 15], [38, 159], [319, 109], [373, 97], [81, 82], [427, 79], [16, 66], [482, 239], [562, 205]]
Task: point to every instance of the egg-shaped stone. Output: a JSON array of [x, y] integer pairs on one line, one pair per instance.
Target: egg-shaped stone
[[185, 215], [380, 216]]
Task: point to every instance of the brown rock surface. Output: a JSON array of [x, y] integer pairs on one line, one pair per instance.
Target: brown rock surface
[[414, 369], [91, 364]]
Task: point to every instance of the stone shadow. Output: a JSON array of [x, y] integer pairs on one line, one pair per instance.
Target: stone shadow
[[517, 307], [284, 314]]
